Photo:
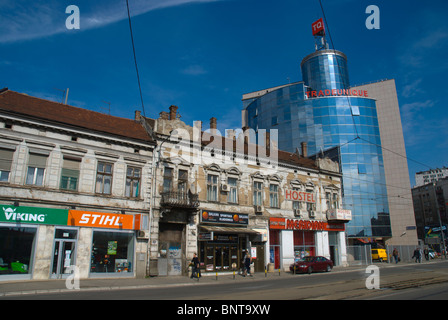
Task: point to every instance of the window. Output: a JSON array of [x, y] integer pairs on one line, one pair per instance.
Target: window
[[70, 174], [104, 178], [17, 247], [212, 187], [296, 204], [355, 111], [112, 252], [36, 169], [182, 183], [233, 190], [273, 196], [5, 164], [258, 193], [335, 201], [328, 200], [167, 179], [362, 169], [133, 176]]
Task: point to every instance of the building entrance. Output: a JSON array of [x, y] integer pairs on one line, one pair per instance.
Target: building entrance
[[64, 252]]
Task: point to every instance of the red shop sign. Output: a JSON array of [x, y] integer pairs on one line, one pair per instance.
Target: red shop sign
[[296, 224]]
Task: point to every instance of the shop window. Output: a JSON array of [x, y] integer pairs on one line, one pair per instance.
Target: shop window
[[167, 179], [133, 179], [70, 174], [16, 250], [212, 187], [232, 197], [5, 164], [36, 169], [304, 244], [273, 196], [258, 193], [104, 178], [112, 252]]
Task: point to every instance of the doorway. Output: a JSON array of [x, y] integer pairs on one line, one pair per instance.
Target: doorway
[[64, 252], [171, 249]]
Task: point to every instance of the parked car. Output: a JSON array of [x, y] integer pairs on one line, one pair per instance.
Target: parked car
[[311, 264], [379, 255]]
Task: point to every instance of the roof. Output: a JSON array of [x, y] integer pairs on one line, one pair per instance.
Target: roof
[[23, 104]]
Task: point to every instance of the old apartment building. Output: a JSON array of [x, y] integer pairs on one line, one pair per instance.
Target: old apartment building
[[104, 196], [219, 197], [74, 191]]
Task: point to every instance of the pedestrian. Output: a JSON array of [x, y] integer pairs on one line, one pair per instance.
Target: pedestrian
[[417, 255], [196, 271], [396, 255], [426, 253], [247, 262]]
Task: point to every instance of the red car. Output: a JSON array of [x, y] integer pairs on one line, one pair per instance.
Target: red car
[[311, 264]]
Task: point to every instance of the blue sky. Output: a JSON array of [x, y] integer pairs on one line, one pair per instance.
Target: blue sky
[[204, 55]]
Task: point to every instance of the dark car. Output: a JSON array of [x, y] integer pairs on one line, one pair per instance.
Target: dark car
[[311, 264]]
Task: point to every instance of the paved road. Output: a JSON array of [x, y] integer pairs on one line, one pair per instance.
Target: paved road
[[414, 281]]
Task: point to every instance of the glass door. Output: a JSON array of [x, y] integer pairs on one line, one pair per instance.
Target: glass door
[[64, 252], [63, 258]]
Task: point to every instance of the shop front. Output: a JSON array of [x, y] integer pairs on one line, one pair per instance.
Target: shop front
[[223, 240], [292, 239], [42, 243]]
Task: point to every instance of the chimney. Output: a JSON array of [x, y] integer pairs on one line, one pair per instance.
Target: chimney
[[213, 123], [138, 116], [164, 115], [173, 112], [304, 149]]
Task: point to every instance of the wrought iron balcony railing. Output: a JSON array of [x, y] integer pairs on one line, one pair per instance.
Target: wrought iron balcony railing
[[180, 199]]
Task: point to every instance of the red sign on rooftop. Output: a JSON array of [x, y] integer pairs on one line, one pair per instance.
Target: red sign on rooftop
[[318, 27]]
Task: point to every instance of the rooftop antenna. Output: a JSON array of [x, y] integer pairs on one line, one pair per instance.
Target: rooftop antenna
[[108, 103], [320, 43], [64, 94]]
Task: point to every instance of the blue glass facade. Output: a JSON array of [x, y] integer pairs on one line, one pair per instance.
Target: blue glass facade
[[349, 123]]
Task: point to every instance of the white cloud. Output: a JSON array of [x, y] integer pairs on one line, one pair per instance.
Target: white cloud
[[194, 70], [22, 20]]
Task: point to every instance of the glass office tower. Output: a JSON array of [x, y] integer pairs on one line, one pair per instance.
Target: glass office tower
[[335, 120]]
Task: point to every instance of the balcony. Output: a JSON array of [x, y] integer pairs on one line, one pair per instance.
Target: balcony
[[180, 199]]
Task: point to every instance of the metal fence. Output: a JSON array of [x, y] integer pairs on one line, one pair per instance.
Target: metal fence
[[404, 252], [362, 255], [359, 255]]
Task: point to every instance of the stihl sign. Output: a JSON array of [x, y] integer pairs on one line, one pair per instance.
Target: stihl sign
[[100, 220]]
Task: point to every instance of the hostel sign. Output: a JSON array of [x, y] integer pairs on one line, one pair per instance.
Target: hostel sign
[[299, 196]]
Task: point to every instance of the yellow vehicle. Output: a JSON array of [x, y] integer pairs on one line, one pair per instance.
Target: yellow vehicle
[[379, 255]]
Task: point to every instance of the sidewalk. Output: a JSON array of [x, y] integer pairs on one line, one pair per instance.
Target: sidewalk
[[29, 287]]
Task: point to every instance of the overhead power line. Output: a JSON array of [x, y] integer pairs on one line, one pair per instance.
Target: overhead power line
[[135, 59]]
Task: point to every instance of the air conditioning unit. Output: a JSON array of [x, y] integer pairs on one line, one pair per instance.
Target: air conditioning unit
[[142, 234], [224, 187], [312, 214], [296, 212], [258, 209]]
